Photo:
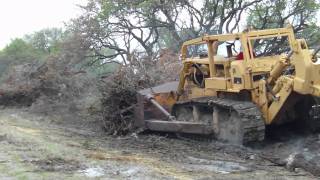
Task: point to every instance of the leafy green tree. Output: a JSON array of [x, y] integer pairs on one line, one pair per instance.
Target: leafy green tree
[[138, 29], [33, 47], [17, 51], [20, 50], [301, 14], [47, 40]]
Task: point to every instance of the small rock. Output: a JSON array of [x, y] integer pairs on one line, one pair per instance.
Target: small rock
[[290, 160], [252, 157], [298, 170], [134, 135]]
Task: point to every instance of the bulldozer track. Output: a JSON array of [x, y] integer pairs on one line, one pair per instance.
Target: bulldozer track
[[252, 125]]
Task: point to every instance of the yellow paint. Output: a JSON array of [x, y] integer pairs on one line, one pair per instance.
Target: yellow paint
[[238, 75]]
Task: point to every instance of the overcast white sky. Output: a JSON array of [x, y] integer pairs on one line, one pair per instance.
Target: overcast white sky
[[19, 17]]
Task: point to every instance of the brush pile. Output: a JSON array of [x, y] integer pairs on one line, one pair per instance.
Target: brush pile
[[119, 90]]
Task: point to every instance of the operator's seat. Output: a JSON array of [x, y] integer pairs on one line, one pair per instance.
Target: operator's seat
[[240, 56]]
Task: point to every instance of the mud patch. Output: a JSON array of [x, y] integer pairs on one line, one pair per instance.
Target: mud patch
[[222, 167], [35, 148], [294, 151], [57, 164], [302, 161]]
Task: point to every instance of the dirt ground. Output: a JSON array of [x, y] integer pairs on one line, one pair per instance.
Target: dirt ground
[[39, 147]]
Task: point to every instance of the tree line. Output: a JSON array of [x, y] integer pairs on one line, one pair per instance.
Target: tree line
[[127, 32]]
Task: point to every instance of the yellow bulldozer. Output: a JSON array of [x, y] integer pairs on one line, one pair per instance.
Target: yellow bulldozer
[[232, 86]]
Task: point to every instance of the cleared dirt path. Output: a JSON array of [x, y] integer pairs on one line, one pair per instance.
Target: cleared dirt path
[[36, 147]]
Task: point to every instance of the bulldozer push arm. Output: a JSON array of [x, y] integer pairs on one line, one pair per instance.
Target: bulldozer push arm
[[305, 80]]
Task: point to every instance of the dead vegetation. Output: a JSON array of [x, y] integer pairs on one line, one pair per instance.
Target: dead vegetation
[[50, 88], [118, 97], [55, 88], [119, 90]]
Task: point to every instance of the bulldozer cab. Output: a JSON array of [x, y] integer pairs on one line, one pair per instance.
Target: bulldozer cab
[[233, 62], [232, 85]]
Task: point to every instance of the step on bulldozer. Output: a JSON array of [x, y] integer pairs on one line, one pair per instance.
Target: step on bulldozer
[[232, 86]]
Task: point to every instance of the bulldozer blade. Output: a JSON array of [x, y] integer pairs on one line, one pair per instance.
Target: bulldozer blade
[[163, 88], [164, 95], [178, 126]]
